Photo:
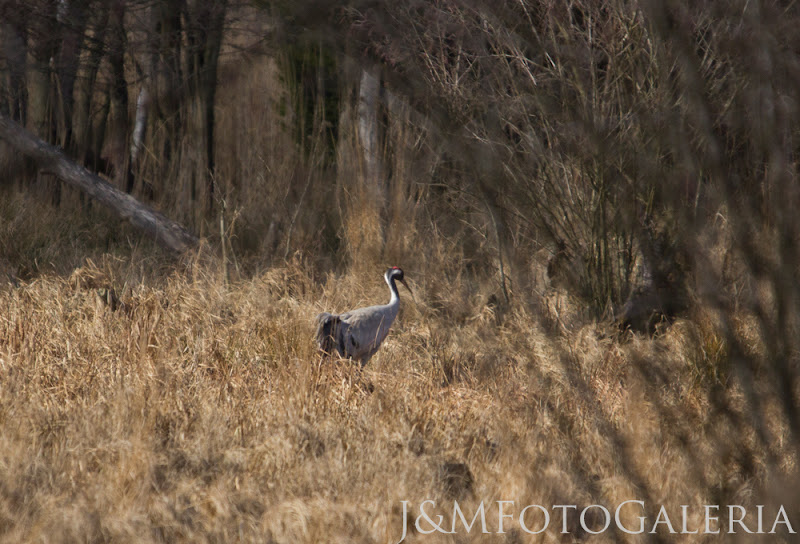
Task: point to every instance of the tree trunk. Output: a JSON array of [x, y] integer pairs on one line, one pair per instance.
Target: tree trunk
[[72, 23], [15, 50], [366, 225], [368, 131], [85, 140], [42, 46], [140, 123], [51, 159], [164, 79], [118, 99], [204, 35]]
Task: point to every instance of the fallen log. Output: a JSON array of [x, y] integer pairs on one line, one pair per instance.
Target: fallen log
[[51, 159]]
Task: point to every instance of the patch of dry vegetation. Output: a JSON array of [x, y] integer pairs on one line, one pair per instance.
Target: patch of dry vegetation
[[541, 169], [201, 412]]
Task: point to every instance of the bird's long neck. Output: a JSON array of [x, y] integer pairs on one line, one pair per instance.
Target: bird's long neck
[[393, 288]]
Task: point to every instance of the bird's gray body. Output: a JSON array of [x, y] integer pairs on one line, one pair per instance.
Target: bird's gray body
[[358, 334]]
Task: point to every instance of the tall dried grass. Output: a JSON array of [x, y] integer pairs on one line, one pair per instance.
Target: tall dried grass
[[195, 408], [199, 411]]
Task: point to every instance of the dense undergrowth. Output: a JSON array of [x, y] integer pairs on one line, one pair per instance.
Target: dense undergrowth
[[595, 205], [195, 409]]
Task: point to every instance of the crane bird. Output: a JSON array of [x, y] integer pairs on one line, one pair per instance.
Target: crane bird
[[358, 334]]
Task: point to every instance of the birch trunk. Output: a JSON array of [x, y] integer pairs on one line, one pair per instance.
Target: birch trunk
[[368, 101]]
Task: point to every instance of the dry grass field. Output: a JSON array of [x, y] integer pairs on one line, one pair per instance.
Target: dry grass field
[[628, 148], [192, 410]]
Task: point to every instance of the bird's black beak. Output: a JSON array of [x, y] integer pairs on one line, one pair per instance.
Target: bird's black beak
[[409, 289]]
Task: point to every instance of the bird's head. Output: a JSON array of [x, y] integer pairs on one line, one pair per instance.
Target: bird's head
[[396, 273]]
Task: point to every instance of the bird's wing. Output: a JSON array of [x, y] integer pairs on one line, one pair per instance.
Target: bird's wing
[[365, 329], [328, 332]]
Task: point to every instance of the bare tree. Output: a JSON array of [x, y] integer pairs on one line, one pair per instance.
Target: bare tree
[[118, 123], [14, 43], [369, 99], [204, 31], [72, 18]]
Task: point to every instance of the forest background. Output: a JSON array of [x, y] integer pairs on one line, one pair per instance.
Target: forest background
[[595, 203]]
